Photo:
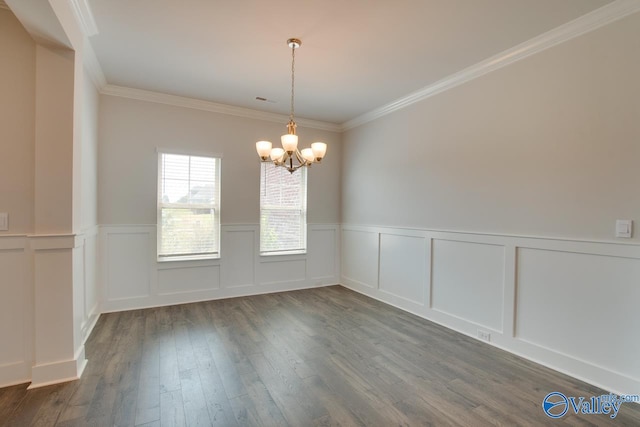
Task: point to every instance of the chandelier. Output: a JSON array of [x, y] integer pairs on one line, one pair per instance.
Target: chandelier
[[289, 156]]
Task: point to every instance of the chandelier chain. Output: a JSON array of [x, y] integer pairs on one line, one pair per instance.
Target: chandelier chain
[[293, 76]]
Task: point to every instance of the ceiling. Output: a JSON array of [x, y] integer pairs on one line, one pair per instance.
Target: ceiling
[[356, 55]]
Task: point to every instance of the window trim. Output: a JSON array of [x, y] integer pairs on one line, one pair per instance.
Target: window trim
[[160, 206]]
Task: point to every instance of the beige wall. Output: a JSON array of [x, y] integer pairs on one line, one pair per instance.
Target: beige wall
[[548, 146], [89, 165], [130, 132], [17, 121], [54, 140]]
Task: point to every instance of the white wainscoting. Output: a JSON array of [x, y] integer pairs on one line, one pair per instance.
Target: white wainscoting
[[27, 349], [132, 277], [360, 258], [570, 305], [473, 293], [403, 274], [90, 297], [16, 310]]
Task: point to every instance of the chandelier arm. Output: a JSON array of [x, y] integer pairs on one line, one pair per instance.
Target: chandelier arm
[[285, 158], [291, 169], [287, 162], [301, 160]]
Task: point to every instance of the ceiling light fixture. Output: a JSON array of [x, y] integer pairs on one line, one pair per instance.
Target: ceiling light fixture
[[289, 156]]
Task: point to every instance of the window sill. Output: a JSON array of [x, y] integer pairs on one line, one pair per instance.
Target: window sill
[[283, 253], [188, 258]]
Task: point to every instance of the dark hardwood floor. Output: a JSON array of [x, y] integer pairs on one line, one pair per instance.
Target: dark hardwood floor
[[318, 357]]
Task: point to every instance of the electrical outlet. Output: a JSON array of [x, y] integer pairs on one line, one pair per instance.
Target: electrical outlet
[[624, 228], [484, 335]]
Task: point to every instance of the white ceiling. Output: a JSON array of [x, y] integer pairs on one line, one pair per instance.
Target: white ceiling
[[356, 55]]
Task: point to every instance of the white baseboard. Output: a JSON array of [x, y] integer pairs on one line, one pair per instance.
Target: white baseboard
[[188, 298], [15, 373], [88, 326], [57, 372]]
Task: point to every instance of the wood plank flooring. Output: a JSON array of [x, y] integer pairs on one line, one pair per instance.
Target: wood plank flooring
[[318, 357]]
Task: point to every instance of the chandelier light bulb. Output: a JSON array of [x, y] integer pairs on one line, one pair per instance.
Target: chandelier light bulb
[[319, 150], [277, 154], [264, 149], [307, 154], [289, 142]]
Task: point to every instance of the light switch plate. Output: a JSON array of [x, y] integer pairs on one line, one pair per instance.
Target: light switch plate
[[4, 221], [624, 228]]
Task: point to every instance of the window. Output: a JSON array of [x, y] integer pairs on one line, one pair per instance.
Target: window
[[188, 207], [283, 210]]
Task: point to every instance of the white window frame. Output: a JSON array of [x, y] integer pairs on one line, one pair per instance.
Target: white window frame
[[303, 216], [161, 205]]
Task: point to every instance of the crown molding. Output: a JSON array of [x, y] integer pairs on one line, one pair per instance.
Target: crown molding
[[198, 104], [93, 67], [87, 24], [3, 5], [572, 29], [85, 17]]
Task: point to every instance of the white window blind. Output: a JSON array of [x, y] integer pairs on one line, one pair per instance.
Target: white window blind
[[283, 210], [188, 206]]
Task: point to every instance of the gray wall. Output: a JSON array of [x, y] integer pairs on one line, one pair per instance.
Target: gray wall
[[548, 146], [130, 132]]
